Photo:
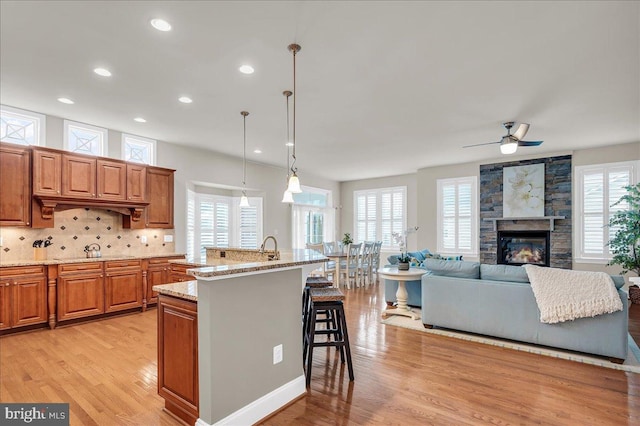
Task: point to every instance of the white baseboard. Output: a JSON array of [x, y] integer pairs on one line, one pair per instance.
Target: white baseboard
[[265, 405]]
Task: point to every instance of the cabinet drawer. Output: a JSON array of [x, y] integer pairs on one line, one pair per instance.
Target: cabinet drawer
[[76, 267], [113, 264], [21, 270], [181, 268]]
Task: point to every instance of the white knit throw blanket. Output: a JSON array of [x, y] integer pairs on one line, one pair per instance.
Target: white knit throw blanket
[[564, 295]]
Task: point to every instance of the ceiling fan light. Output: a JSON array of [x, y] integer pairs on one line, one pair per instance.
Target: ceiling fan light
[[508, 146], [294, 184], [287, 197]]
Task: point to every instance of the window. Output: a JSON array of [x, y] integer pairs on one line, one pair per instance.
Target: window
[[598, 187], [457, 216], [219, 221], [21, 127], [378, 213], [84, 138], [138, 149], [312, 217]]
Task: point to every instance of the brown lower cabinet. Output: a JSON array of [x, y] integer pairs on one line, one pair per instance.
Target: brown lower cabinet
[[178, 356], [158, 271], [23, 296], [122, 285], [179, 272], [80, 290]]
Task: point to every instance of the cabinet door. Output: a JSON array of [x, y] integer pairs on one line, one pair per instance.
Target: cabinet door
[[111, 180], [178, 356], [156, 274], [123, 290], [78, 176], [15, 202], [47, 173], [80, 295], [159, 212], [5, 304], [29, 304], [136, 182]]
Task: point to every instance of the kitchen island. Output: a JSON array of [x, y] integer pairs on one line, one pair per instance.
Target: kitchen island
[[245, 321]]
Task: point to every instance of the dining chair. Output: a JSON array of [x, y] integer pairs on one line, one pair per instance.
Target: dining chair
[[364, 266], [349, 266], [375, 258], [320, 249], [329, 247]]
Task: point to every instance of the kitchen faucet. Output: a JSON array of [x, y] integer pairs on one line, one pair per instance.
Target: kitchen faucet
[[276, 256]]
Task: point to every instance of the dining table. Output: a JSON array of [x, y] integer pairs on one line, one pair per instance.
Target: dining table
[[337, 257]]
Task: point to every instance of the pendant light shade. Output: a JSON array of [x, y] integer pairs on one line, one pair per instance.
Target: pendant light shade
[[294, 184], [287, 197], [244, 201]]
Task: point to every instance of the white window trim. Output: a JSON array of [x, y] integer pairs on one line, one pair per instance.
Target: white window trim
[[296, 215], [40, 130], [473, 180], [313, 190], [105, 136], [378, 193], [151, 142], [579, 172]]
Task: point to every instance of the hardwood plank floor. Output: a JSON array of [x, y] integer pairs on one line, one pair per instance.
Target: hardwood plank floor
[[107, 371]]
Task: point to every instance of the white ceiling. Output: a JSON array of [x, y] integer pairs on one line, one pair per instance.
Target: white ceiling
[[384, 88]]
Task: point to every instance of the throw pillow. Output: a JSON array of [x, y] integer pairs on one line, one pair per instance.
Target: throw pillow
[[439, 256]]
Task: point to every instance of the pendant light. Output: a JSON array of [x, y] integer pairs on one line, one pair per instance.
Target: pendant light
[[294, 182], [244, 201], [287, 197]]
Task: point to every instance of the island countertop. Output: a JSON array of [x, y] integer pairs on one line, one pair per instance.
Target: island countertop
[[187, 290], [287, 259]]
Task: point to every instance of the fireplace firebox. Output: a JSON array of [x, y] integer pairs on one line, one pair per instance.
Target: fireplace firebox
[[523, 247]]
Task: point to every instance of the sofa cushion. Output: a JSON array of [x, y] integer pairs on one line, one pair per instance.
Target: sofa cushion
[[439, 256], [418, 255], [618, 280], [453, 268], [504, 273]]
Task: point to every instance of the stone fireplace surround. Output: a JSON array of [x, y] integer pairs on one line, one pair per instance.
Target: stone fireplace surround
[[557, 202]]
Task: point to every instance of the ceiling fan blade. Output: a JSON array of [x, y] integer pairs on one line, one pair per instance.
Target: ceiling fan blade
[[529, 143], [480, 144], [522, 130]]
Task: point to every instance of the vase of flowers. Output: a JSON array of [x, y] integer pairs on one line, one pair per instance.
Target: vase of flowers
[[400, 238]]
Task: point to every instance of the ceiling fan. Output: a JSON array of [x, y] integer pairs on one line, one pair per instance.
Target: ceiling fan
[[510, 142]]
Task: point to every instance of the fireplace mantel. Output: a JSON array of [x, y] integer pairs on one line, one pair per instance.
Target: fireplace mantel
[[495, 220]]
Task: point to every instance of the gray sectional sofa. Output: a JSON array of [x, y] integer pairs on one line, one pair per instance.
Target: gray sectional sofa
[[497, 300]]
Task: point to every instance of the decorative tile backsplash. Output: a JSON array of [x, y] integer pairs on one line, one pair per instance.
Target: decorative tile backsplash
[[78, 228]]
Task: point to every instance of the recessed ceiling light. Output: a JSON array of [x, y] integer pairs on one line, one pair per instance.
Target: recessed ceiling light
[[289, 144], [65, 101], [257, 151], [102, 72], [185, 99], [140, 120], [246, 69], [160, 24]]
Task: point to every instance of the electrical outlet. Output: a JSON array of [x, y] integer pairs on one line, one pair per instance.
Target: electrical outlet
[[143, 239], [277, 354], [168, 238]]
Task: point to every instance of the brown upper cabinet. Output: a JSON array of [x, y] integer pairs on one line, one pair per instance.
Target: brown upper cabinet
[[111, 180], [15, 181], [78, 176], [47, 172], [159, 212], [136, 182]]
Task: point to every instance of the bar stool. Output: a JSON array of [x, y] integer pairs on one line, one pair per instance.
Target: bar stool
[[330, 300], [312, 282]]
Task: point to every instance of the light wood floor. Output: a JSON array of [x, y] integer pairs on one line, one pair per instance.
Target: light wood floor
[[107, 371]]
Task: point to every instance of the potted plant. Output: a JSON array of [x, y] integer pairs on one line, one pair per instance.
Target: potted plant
[[404, 259], [346, 240], [404, 262], [625, 243]]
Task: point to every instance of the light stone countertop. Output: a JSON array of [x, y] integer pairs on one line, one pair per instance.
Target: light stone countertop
[[84, 259], [287, 259], [187, 290]]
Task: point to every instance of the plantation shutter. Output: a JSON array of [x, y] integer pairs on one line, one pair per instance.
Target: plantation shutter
[[191, 223], [248, 227], [593, 197], [379, 213], [457, 226]]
